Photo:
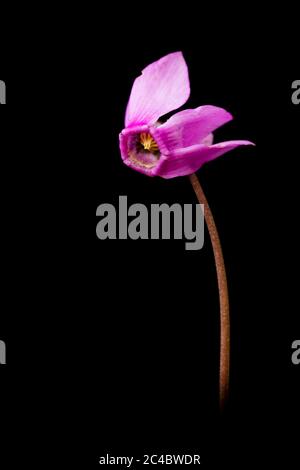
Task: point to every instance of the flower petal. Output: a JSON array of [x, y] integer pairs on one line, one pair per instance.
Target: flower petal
[[190, 127], [162, 87], [186, 161]]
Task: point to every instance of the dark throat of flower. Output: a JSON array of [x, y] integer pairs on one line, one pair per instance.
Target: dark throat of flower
[[144, 151]]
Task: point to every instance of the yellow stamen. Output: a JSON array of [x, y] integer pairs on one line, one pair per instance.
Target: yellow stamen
[[148, 142]]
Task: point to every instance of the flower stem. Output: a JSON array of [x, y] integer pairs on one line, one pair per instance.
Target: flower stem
[[223, 293]]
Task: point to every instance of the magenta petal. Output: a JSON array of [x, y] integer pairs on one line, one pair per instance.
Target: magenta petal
[[162, 87], [186, 161], [190, 127]]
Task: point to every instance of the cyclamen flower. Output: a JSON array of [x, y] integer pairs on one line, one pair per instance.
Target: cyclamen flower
[[181, 145]]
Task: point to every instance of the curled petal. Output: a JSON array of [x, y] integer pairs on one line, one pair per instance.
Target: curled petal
[[162, 87], [190, 127], [186, 161]]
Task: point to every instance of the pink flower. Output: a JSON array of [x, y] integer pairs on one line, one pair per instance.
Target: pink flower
[[181, 145]]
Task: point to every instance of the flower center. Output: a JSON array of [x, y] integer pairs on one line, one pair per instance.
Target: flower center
[[148, 142], [143, 150]]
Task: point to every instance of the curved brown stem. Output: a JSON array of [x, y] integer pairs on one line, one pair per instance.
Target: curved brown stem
[[223, 293]]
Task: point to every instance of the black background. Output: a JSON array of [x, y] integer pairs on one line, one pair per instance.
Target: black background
[[113, 346]]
